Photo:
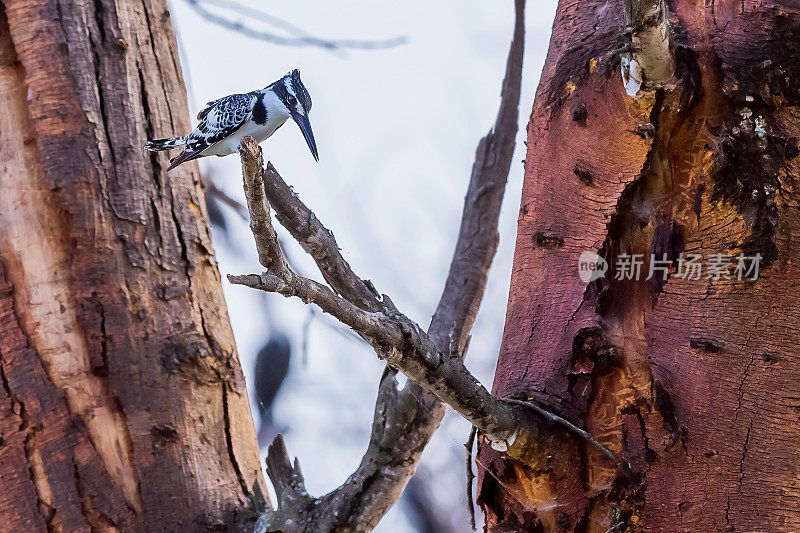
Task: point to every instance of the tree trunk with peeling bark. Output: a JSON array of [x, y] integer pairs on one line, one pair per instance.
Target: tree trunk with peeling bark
[[123, 405], [692, 383]]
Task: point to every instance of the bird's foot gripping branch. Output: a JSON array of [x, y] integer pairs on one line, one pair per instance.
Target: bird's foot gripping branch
[[433, 363]]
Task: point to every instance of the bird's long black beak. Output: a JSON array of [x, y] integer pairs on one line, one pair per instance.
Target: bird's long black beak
[[305, 126]]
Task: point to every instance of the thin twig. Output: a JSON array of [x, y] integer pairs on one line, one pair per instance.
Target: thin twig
[[470, 476], [377, 327], [555, 419], [306, 334], [306, 39]]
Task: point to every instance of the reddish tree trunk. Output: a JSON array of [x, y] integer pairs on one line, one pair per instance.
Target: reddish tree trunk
[[694, 383], [122, 405]]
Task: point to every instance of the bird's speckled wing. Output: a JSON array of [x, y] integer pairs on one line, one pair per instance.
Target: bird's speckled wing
[[220, 119]]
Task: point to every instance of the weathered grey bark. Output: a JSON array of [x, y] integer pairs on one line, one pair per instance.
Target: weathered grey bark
[[122, 404]]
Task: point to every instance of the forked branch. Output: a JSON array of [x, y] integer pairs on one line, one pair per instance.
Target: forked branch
[[404, 418], [395, 337]]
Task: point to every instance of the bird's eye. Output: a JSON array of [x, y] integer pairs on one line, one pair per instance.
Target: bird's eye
[[291, 100]]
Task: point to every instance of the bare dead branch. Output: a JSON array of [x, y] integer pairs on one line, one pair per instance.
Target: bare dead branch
[[650, 62], [344, 509], [405, 419], [377, 327], [318, 242], [302, 37], [290, 491], [415, 414], [396, 338], [404, 346], [477, 236], [469, 445], [269, 250], [555, 419]]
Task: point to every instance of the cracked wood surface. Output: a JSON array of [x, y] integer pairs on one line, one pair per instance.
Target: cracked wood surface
[[696, 382], [123, 404]]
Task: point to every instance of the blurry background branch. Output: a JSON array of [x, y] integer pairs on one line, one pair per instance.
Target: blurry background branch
[[405, 419], [297, 36], [218, 197]]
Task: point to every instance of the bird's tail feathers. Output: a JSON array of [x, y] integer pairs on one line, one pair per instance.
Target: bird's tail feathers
[[159, 145]]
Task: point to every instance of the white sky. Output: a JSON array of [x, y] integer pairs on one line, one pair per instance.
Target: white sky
[[396, 131]]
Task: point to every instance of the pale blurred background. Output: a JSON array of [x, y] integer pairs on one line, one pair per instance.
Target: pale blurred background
[[396, 130]]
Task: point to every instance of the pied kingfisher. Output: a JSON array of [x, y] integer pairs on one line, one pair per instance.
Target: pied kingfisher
[[259, 113]]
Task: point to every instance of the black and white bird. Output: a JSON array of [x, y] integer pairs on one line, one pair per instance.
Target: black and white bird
[[259, 114]]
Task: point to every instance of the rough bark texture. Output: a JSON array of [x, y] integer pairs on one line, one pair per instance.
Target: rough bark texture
[[122, 405], [694, 383]]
